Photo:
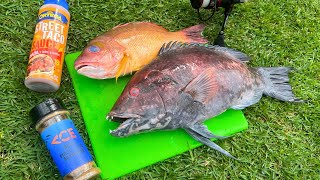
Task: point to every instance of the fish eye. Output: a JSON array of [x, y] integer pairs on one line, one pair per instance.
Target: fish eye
[[134, 92], [94, 49]]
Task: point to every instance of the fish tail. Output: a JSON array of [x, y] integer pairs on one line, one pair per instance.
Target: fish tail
[[277, 85], [194, 34]]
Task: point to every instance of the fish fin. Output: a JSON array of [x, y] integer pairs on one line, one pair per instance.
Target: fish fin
[[232, 53], [208, 142], [124, 65], [170, 46], [204, 131], [202, 87], [179, 45], [194, 33], [277, 85]]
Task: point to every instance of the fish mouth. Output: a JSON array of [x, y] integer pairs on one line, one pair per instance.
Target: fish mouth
[[91, 71], [80, 66], [125, 128], [128, 123]]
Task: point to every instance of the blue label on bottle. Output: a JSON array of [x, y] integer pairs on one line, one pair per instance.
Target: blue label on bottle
[[51, 15], [66, 146]]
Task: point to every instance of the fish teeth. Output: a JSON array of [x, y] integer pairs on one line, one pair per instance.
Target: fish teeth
[[109, 118]]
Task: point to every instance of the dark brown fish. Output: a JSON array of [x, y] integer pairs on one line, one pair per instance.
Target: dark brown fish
[[189, 83]]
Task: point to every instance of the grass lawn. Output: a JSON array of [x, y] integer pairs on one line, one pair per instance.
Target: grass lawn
[[283, 139]]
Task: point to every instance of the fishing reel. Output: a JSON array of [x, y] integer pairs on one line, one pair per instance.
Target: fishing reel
[[214, 5]]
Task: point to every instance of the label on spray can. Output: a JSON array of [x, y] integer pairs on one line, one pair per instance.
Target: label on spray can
[[66, 146], [48, 45]]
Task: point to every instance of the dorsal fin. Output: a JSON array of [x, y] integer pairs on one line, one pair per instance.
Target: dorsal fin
[[177, 45], [223, 50], [170, 46], [233, 53]]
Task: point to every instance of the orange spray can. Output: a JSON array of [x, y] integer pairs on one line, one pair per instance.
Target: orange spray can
[[48, 47]]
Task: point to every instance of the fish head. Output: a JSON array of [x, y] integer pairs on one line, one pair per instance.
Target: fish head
[[140, 108], [100, 59]]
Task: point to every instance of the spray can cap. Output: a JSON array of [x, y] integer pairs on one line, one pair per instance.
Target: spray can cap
[[62, 3]]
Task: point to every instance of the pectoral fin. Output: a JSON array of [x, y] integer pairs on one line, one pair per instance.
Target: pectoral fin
[[208, 142], [124, 66], [203, 87]]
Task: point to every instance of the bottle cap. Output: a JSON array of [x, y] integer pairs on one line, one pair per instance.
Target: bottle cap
[[46, 107], [62, 3]]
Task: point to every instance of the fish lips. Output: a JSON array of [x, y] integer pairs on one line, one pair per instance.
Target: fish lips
[[121, 117], [125, 128], [91, 71]]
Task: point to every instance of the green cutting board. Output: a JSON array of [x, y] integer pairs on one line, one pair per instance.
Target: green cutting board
[[119, 156]]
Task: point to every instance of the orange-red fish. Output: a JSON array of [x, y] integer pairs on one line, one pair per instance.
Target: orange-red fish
[[129, 47]]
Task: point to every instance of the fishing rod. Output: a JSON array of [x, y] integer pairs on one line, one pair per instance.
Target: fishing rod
[[214, 5]]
